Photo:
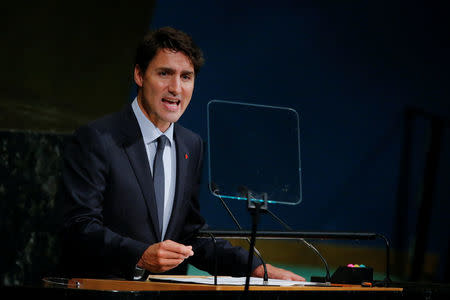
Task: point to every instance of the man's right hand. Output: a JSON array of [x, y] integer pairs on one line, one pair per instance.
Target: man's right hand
[[164, 256]]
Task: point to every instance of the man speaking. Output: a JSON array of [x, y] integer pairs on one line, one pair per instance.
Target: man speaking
[[131, 179]]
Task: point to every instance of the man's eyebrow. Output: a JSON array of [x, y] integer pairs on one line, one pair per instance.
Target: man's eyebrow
[[187, 72], [171, 71], [165, 69]]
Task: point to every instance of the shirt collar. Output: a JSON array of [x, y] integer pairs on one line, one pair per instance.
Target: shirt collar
[[149, 131]]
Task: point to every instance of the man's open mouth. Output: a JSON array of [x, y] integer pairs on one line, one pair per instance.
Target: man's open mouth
[[171, 102]]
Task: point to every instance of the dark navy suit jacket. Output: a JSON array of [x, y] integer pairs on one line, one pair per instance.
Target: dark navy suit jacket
[[110, 215]]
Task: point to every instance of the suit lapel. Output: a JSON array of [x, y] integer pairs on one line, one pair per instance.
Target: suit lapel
[[137, 155], [178, 202]]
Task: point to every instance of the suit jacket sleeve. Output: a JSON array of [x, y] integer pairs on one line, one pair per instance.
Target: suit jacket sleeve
[[89, 247]]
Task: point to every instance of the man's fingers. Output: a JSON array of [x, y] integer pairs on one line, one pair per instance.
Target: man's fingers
[[167, 254], [276, 273], [175, 247], [164, 256], [294, 277]]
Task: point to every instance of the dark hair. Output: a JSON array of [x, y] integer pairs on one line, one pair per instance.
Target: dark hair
[[168, 38]]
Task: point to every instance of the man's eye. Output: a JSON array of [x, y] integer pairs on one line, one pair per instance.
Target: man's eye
[[187, 77], [163, 73]]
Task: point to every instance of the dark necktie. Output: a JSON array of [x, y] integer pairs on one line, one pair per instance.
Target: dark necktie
[[158, 179]]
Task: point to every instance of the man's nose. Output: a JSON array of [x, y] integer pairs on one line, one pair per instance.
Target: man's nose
[[175, 85]]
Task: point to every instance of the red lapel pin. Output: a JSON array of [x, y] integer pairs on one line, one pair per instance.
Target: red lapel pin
[[186, 156]]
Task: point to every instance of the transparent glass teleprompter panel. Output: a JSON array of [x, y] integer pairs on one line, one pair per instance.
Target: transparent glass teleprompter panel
[[256, 148]]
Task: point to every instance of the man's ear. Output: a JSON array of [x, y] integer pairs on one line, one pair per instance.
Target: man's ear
[[138, 76]]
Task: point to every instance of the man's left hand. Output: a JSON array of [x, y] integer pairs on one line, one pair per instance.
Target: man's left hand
[[276, 273]]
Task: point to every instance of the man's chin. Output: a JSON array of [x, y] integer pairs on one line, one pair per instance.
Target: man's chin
[[172, 119]]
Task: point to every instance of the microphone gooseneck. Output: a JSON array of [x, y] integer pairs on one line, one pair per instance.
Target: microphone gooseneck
[[215, 191], [310, 246]]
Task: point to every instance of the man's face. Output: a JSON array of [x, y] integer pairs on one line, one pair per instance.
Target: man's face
[[165, 88]]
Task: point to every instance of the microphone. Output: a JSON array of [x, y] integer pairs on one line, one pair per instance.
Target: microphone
[[310, 246], [245, 190], [215, 190]]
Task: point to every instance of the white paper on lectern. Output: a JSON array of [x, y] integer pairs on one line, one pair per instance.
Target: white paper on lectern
[[228, 280]]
